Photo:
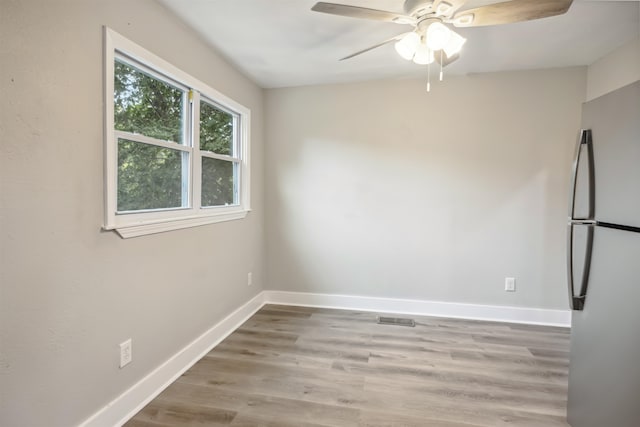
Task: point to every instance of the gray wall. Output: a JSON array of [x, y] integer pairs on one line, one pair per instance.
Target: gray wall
[[375, 189], [69, 292], [382, 189], [614, 70]]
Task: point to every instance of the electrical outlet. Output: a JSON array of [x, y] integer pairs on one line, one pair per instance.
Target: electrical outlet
[[249, 279], [510, 284], [125, 353]]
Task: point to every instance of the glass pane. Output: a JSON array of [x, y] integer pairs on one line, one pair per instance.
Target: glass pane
[[149, 177], [216, 130], [146, 105], [218, 182]]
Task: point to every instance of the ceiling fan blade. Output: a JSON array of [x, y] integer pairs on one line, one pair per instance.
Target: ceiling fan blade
[[362, 12], [398, 37], [510, 11], [447, 7], [442, 58]]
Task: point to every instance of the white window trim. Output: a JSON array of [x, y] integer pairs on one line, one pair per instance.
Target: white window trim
[[142, 223]]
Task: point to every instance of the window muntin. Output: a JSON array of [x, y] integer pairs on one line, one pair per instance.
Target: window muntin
[[176, 150]]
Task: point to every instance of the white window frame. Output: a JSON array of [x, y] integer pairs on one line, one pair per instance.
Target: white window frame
[[138, 223]]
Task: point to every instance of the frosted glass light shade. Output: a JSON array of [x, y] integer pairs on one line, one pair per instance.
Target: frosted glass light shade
[[406, 46], [438, 36], [454, 45], [423, 55]]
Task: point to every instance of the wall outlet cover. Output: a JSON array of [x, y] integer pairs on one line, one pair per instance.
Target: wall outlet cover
[[510, 284], [126, 354]]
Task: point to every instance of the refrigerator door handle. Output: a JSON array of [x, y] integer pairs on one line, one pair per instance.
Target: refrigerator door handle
[[577, 302], [584, 142]]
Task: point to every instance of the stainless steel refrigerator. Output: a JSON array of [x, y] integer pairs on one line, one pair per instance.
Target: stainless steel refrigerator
[[603, 257]]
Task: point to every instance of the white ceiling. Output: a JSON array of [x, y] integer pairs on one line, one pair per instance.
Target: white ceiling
[[280, 43]]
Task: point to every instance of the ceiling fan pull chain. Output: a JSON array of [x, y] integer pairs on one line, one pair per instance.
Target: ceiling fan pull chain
[[441, 66], [429, 75]]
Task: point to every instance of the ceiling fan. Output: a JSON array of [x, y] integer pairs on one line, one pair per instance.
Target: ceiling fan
[[431, 38]]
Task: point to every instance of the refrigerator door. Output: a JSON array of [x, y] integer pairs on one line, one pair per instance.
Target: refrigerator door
[[579, 251], [604, 372], [614, 120]]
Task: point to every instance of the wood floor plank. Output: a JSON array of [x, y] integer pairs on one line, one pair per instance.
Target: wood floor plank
[[185, 414], [452, 409], [303, 384], [244, 420], [314, 367], [386, 419], [472, 396]]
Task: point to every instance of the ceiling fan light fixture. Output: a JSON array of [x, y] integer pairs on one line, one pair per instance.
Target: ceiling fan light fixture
[[454, 45], [406, 46], [431, 37], [438, 36], [423, 55]]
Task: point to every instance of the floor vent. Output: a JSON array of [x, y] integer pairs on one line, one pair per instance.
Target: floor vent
[[398, 321]]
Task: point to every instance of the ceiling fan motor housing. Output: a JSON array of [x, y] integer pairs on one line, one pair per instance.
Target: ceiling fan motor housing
[[424, 23]]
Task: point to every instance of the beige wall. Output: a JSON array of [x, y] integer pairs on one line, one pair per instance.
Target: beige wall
[[382, 189], [615, 70], [69, 292]]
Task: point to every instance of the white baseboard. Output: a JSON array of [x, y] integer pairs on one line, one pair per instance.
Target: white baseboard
[[125, 406], [535, 316]]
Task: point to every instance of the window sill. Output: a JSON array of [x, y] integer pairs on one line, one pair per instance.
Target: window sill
[[160, 226]]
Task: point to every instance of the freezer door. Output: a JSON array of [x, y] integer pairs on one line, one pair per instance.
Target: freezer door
[[604, 369], [614, 120]]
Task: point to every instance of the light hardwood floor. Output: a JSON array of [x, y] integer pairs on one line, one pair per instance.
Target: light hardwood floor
[[311, 367]]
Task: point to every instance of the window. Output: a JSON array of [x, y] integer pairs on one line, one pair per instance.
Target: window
[[176, 150]]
